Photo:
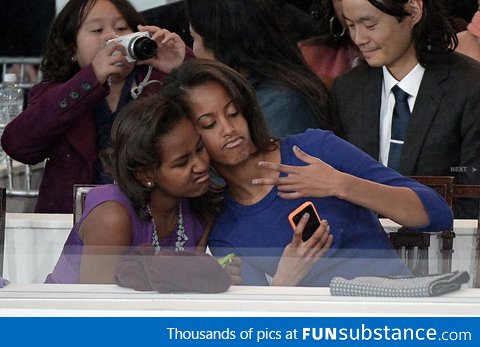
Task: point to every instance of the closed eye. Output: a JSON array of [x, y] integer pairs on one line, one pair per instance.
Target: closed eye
[[122, 29], [209, 125], [181, 162]]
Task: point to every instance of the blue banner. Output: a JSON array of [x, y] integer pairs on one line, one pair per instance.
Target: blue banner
[[249, 331]]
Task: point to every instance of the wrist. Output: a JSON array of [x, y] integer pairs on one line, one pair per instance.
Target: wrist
[[280, 280], [341, 186]]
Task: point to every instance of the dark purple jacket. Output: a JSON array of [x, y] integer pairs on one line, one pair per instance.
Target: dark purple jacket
[[59, 126]]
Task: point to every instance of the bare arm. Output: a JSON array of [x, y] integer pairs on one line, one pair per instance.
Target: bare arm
[[106, 234], [319, 179]]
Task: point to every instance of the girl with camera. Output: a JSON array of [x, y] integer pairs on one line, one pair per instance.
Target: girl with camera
[[88, 79]]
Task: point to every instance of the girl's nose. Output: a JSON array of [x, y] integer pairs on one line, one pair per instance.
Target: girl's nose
[[227, 128], [110, 35], [201, 163]]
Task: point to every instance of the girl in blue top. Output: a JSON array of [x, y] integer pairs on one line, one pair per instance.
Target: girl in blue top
[[267, 179]]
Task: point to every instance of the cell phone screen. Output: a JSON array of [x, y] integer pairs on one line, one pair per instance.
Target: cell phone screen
[[312, 224]]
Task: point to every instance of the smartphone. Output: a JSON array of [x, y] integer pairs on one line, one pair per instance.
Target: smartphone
[[313, 221]]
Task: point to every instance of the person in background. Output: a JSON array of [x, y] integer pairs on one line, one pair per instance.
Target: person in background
[[170, 16], [88, 81], [459, 13], [332, 52], [161, 170], [297, 22], [433, 129], [249, 36], [267, 179], [469, 40]]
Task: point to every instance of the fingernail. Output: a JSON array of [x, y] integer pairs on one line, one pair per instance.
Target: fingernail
[[306, 215], [261, 163], [327, 226], [255, 181], [295, 148]]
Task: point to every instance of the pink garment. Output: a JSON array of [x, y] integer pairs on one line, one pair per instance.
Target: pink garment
[[329, 62], [474, 26], [468, 44]]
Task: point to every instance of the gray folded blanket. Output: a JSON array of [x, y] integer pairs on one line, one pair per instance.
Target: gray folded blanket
[[420, 286]]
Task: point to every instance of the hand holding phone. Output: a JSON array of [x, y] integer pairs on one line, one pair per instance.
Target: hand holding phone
[[313, 221]]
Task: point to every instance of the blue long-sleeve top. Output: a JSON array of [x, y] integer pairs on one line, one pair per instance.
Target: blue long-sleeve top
[[259, 232]]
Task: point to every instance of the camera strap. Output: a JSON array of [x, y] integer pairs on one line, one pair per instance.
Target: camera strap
[[136, 91]]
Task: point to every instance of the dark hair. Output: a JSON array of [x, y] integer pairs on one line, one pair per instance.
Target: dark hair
[[249, 36], [432, 35], [57, 64], [197, 72], [136, 133], [331, 31]]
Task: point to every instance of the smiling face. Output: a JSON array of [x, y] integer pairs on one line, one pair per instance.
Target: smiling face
[[221, 125], [184, 168], [382, 38], [102, 23]]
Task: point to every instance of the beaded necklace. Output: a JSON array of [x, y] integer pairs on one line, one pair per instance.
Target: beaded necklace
[[181, 236]]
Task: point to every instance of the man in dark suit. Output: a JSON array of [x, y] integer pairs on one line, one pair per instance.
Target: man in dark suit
[[408, 44]]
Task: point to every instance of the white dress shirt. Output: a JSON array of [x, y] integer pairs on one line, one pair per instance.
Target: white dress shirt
[[410, 84]]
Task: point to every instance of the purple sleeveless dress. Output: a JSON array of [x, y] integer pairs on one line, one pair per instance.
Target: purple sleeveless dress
[[67, 269]]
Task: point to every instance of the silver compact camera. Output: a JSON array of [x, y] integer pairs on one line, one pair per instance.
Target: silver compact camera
[[139, 45]]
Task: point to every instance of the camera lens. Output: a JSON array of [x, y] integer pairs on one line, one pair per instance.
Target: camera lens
[[143, 48]]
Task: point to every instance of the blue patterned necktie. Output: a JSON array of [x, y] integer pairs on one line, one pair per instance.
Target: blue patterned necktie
[[401, 114]]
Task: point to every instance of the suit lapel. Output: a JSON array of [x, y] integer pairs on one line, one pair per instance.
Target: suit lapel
[[428, 100], [371, 98]]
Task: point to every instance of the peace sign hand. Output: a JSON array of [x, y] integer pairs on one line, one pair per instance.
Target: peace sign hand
[[317, 179]]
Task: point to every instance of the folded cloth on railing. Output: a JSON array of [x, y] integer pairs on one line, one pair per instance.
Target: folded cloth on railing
[[420, 286], [3, 282], [170, 271]]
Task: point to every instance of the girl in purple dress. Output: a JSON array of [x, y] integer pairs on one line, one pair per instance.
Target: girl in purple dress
[[161, 196]]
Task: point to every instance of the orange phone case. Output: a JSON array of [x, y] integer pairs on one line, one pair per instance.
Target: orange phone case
[[299, 209]]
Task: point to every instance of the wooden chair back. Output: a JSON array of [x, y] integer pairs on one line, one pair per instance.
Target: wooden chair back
[[80, 192], [412, 246]]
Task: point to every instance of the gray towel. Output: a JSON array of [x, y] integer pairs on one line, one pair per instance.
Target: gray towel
[[420, 286]]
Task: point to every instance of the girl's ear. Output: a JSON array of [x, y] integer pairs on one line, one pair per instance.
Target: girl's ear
[[145, 177]]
